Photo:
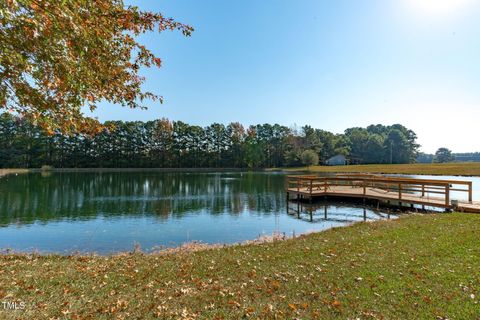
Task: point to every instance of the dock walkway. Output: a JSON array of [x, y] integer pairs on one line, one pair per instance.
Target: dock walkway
[[424, 192]]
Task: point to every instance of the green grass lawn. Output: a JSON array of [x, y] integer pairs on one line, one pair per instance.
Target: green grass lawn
[[416, 267], [453, 169]]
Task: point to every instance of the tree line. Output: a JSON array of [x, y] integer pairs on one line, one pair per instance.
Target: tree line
[[172, 144]]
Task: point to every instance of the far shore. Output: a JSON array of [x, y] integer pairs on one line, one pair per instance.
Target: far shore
[[4, 172], [467, 169]]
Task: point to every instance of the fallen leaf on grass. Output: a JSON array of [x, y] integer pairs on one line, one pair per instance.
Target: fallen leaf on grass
[[336, 303]]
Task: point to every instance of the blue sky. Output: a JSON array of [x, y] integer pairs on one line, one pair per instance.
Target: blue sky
[[331, 64]]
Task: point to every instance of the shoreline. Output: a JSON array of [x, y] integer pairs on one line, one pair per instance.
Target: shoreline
[[458, 169], [198, 246], [184, 248], [4, 172]]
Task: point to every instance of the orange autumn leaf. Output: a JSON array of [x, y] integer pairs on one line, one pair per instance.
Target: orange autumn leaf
[[75, 53], [336, 303]]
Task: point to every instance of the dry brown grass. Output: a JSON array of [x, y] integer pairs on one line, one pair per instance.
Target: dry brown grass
[[451, 169], [4, 172]]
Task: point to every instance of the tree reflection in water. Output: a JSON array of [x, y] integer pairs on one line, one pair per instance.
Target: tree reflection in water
[[108, 212], [84, 195]]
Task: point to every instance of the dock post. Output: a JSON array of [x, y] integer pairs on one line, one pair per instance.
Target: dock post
[[470, 192], [364, 191], [447, 196], [311, 191]]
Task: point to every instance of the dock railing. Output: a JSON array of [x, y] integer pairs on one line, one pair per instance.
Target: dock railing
[[423, 188]]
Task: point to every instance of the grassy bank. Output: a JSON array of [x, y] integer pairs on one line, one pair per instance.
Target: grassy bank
[[416, 267], [453, 169]]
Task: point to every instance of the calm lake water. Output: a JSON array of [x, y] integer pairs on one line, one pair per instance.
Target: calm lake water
[[107, 212]]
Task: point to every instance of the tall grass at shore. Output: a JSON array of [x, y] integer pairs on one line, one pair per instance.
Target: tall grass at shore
[[4, 172]]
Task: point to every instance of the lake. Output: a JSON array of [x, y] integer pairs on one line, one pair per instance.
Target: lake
[[108, 212]]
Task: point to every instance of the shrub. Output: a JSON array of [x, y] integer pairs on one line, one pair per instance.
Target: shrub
[[309, 158]]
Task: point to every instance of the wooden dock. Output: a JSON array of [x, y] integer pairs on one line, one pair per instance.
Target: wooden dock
[[392, 190]]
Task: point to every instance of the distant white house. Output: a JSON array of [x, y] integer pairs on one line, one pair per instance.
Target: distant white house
[[338, 160]]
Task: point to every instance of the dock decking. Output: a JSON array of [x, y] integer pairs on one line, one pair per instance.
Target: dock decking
[[424, 192]]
